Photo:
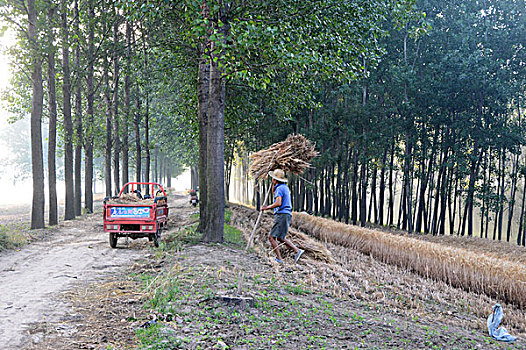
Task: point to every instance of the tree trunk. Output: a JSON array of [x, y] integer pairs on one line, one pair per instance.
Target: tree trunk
[[107, 154], [372, 201], [194, 177], [424, 182], [228, 172], [68, 123], [215, 157], [514, 180], [88, 142], [408, 185], [485, 188], [37, 97], [138, 152], [322, 192], [452, 212], [443, 198], [521, 221], [156, 163], [390, 219], [52, 109], [78, 117], [496, 211], [502, 194], [337, 189], [203, 88], [363, 199], [354, 192], [381, 196], [115, 112], [439, 185], [146, 124], [127, 107], [468, 209], [169, 173]]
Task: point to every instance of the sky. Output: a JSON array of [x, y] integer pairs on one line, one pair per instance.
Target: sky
[[20, 192]]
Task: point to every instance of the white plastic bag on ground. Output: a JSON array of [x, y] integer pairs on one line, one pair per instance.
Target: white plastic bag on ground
[[494, 321]]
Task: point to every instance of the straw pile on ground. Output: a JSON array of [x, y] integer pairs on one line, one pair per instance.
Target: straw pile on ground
[[474, 272], [244, 217], [292, 155], [129, 198]]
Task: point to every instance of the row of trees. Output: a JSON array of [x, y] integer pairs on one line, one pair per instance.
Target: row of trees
[[441, 115], [85, 66], [121, 71], [428, 96]]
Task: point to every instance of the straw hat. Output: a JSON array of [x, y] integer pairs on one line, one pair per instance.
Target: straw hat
[[278, 174]]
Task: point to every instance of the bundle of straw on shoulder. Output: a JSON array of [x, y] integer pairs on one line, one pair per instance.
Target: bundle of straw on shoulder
[[292, 155]]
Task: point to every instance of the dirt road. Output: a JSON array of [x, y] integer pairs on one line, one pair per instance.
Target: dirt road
[[32, 278]]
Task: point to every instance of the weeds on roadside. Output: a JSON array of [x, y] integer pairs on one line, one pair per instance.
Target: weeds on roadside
[[12, 235]]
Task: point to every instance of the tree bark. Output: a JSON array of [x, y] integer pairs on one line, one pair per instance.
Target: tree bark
[[513, 180], [156, 163], [78, 117], [381, 195], [215, 176], [138, 151], [390, 218], [203, 88], [502, 194], [521, 221], [37, 98], [372, 202], [468, 209], [228, 171], [146, 123], [168, 173], [115, 104], [68, 123], [408, 186], [107, 154], [354, 192], [127, 107], [88, 142], [363, 199], [52, 110]]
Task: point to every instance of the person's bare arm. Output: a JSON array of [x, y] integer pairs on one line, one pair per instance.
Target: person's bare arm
[[276, 204]]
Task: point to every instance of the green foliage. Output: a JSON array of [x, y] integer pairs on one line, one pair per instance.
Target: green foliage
[[5, 241], [13, 235], [157, 338]]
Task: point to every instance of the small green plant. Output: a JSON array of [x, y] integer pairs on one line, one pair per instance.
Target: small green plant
[[233, 236], [228, 215], [297, 289], [11, 236], [157, 337]]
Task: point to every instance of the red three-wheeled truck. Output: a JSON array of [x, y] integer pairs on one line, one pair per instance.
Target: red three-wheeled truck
[[132, 215]]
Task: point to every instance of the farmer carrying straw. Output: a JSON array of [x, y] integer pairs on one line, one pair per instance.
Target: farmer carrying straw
[[282, 215]]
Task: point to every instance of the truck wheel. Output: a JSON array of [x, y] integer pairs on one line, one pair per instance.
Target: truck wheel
[[113, 240], [157, 238]]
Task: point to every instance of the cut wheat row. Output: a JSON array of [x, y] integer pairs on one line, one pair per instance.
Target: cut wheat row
[[475, 272]]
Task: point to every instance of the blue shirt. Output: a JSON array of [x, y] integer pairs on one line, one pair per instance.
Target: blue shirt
[[282, 190]]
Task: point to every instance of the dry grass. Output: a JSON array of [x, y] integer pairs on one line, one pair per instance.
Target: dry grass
[[128, 198], [377, 279], [476, 272], [244, 218], [292, 155]]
